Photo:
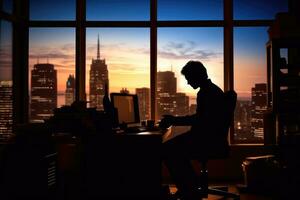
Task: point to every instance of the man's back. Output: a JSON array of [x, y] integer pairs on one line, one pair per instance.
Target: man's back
[[210, 116]]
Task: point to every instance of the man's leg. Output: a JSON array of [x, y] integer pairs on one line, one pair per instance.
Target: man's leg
[[176, 157]]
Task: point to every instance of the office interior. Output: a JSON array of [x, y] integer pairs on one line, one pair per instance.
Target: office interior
[[251, 47]]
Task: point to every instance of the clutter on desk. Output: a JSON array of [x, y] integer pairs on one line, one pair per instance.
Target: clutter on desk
[[77, 119]]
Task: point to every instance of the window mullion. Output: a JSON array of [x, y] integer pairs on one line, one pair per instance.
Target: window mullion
[[153, 56], [228, 50], [80, 50]]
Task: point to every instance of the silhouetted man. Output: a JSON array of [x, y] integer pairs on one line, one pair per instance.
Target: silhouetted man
[[204, 136]]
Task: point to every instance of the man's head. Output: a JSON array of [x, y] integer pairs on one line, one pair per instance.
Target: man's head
[[195, 73]]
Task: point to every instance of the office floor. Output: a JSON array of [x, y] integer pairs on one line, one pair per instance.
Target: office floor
[[233, 188]]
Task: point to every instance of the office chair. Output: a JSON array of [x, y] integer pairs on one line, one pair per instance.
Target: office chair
[[230, 102]]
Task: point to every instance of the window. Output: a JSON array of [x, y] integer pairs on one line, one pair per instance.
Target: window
[[250, 83], [118, 57], [51, 70], [257, 9], [52, 10], [191, 29], [116, 10], [176, 46], [7, 6], [190, 10], [6, 81]]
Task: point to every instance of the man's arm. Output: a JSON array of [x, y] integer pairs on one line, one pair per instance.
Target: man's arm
[[187, 120]]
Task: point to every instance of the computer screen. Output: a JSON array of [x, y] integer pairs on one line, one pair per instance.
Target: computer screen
[[127, 108]]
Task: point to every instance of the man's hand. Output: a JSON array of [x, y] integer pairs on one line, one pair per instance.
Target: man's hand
[[166, 121]]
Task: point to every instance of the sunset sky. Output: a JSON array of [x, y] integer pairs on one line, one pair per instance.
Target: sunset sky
[[126, 50]]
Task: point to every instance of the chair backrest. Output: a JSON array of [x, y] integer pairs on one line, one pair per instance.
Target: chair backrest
[[230, 103], [222, 149]]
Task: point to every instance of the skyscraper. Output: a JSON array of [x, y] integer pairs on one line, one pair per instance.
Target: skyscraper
[[43, 91], [166, 83], [242, 121], [258, 108], [166, 89], [70, 90], [181, 104], [6, 107], [169, 102], [144, 102], [98, 80]]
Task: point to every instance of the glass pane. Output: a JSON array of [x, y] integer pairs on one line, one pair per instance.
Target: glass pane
[[51, 70], [258, 9], [190, 10], [52, 10], [7, 6], [176, 46], [6, 97], [250, 83], [116, 10], [120, 58]]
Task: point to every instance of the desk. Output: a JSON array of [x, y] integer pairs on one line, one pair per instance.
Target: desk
[[128, 165], [119, 167]]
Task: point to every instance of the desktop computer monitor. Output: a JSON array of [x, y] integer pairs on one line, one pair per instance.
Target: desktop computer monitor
[[127, 109]]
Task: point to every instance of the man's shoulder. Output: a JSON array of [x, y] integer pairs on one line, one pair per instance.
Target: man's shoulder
[[213, 90]]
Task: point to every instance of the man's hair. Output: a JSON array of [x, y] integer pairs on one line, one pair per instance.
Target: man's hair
[[194, 68]]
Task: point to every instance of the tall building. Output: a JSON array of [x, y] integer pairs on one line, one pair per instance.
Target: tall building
[[70, 90], [169, 102], [6, 108], [166, 83], [43, 91], [166, 90], [258, 108], [242, 121], [98, 80], [144, 102], [181, 104]]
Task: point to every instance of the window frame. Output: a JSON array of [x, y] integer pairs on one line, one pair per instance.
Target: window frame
[[12, 19], [80, 24]]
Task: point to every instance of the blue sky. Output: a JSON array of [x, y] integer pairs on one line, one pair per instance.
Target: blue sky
[[167, 9]]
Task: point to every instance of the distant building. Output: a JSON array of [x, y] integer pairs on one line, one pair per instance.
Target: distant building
[[181, 104], [43, 92], [70, 90], [258, 108], [6, 108], [242, 122], [166, 83], [98, 80], [144, 102], [166, 90], [169, 102]]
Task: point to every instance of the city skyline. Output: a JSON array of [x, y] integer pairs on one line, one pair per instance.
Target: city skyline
[[132, 60], [248, 114]]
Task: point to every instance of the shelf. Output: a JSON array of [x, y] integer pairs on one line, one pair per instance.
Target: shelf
[[283, 76], [289, 80]]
